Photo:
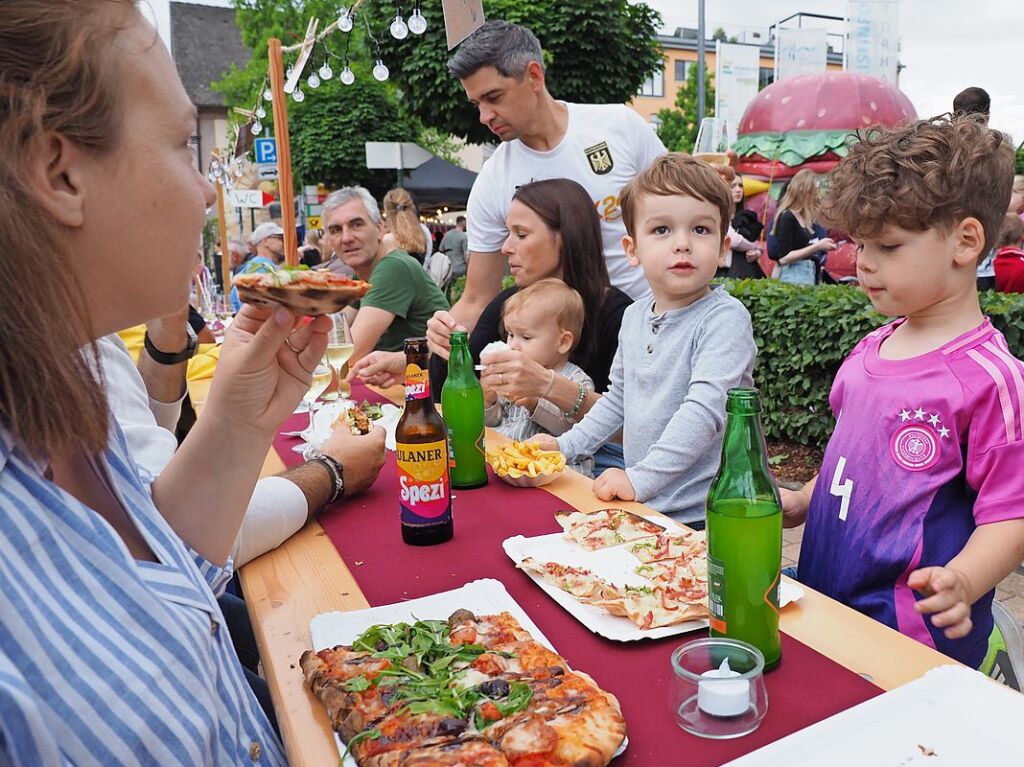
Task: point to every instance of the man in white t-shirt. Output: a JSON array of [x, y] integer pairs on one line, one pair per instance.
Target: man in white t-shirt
[[600, 146]]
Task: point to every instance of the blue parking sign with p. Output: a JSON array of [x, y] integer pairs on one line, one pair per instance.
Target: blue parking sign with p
[[266, 150]]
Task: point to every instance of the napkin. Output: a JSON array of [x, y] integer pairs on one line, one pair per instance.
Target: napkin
[[324, 418]]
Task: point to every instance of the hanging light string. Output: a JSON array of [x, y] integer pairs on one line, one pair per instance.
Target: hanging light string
[[345, 22]]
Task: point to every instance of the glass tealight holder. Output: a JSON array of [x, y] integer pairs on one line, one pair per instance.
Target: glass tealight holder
[[718, 688]]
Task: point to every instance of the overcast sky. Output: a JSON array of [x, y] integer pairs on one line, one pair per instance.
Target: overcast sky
[[946, 45]]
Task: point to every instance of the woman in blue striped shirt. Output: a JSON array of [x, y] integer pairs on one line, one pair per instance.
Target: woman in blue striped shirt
[[112, 648]]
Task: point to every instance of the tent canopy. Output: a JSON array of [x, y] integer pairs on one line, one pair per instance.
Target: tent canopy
[[438, 182]]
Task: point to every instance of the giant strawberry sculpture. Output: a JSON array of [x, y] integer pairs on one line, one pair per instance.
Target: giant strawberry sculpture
[[806, 121]]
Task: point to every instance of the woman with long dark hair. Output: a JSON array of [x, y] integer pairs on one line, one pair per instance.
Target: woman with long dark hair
[[553, 232]]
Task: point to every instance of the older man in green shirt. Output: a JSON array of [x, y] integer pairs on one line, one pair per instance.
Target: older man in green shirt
[[402, 296]]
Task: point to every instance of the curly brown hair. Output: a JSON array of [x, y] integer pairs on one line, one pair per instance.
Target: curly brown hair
[[928, 174]]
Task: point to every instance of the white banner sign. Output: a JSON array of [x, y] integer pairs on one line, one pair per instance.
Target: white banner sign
[[737, 68], [873, 38], [800, 52]]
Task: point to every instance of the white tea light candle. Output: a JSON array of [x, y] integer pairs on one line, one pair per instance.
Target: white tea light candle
[[721, 693]]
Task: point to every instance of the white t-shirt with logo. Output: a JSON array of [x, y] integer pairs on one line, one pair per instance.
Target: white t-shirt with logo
[[605, 146]]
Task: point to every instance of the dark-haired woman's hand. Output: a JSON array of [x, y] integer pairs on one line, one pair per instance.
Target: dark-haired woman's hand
[[516, 377], [439, 330]]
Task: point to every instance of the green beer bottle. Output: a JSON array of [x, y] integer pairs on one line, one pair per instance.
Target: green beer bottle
[[462, 404], [744, 528]]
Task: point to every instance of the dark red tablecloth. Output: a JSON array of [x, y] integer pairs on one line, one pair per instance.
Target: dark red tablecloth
[[806, 688]]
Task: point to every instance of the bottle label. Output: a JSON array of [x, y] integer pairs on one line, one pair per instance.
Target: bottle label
[[423, 482], [417, 382], [716, 594]]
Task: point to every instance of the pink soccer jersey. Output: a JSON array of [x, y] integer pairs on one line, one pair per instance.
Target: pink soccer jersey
[[924, 451]]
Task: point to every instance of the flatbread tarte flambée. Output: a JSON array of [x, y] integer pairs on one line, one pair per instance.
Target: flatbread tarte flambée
[[472, 690], [304, 291]]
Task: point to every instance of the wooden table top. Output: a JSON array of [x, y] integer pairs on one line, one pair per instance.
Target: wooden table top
[[285, 588]]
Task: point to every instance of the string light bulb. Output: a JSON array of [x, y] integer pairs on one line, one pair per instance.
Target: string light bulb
[[298, 95], [268, 94], [313, 81], [326, 73], [399, 30], [417, 23], [345, 20], [347, 76], [260, 112], [380, 72], [256, 128]]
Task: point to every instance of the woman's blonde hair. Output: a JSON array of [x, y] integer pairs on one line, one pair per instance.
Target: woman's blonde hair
[[801, 198], [56, 76], [403, 221]]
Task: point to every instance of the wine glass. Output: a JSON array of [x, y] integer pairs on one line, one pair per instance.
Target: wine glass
[[321, 380], [339, 349], [712, 142]]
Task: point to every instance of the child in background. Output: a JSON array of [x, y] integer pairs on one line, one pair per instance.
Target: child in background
[[679, 351], [917, 511], [1009, 260], [544, 321]]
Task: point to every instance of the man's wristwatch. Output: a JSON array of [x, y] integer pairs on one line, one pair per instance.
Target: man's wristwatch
[[169, 358], [334, 469]]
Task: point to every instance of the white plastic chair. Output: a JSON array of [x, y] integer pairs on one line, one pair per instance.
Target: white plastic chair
[[1009, 669]]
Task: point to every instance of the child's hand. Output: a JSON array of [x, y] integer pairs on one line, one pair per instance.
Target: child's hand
[[614, 483], [946, 590], [545, 442], [794, 506]]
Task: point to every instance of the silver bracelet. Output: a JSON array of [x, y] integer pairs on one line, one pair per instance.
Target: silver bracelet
[[336, 472]]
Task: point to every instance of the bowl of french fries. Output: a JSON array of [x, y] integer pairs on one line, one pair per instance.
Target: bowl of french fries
[[524, 464]]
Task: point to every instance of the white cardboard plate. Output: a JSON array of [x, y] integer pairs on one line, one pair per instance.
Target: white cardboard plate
[[614, 564], [485, 597], [961, 716]]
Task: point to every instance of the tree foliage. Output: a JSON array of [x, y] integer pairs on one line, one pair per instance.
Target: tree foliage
[[596, 51], [329, 128], [677, 128], [1020, 159]]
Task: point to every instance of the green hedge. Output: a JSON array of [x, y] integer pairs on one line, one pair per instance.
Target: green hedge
[[459, 285], [804, 333]]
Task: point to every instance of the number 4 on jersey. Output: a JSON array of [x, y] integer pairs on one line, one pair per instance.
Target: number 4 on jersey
[[840, 489]]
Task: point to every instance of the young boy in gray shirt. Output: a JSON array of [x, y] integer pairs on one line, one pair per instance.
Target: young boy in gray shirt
[[679, 351]]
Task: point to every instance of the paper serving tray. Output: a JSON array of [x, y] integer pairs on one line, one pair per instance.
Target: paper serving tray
[[950, 716], [615, 565], [484, 597]]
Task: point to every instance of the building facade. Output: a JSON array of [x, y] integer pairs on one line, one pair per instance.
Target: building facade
[[680, 54]]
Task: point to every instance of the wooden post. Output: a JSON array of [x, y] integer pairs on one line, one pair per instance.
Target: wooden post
[[225, 250], [284, 155]]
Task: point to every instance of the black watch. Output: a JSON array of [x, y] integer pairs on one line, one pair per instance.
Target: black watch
[[168, 358]]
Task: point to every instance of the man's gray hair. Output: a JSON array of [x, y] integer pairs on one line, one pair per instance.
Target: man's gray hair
[[509, 48], [347, 194], [237, 246]]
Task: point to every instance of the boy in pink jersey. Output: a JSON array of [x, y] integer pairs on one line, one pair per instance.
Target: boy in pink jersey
[[918, 509]]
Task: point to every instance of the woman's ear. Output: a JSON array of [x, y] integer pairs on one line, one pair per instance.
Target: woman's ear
[[56, 175]]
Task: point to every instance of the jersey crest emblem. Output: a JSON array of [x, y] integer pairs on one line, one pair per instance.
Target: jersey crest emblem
[[916, 445], [600, 158]]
